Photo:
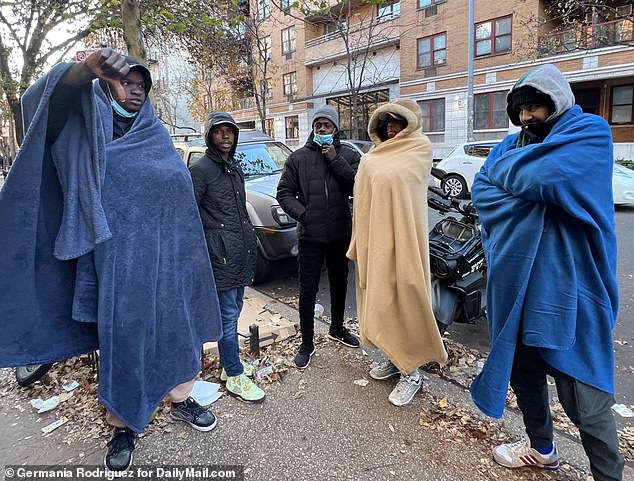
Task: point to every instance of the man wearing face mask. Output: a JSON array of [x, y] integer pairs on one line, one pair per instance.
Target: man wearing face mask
[[314, 189], [544, 197]]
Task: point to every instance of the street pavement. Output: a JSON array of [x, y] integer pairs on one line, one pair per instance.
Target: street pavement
[[317, 424], [284, 284]]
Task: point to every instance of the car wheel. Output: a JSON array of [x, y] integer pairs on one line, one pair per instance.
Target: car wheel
[[454, 185], [26, 375], [262, 269]]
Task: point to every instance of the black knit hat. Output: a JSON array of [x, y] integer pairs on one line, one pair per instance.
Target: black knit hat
[[528, 95]]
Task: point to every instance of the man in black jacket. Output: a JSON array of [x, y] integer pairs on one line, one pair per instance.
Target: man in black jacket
[[221, 197], [314, 189]]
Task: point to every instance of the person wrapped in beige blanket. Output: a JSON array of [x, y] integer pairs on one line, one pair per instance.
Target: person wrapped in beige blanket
[[390, 247]]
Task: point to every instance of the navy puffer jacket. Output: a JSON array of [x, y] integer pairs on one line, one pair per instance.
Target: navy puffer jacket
[[315, 191], [221, 198]]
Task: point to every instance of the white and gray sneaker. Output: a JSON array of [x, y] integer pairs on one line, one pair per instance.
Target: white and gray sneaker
[[406, 388], [385, 370]]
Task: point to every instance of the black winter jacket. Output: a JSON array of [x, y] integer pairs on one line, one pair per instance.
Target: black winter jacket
[[315, 191], [231, 240]]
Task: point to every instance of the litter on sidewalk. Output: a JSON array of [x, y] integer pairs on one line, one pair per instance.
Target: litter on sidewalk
[[272, 327], [54, 425], [51, 403], [70, 386], [623, 411], [206, 393]]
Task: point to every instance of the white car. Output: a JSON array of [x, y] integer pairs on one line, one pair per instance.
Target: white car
[[465, 161], [462, 164], [623, 185]]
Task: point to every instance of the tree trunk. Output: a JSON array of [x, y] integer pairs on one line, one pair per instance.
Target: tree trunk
[[16, 112], [131, 18]]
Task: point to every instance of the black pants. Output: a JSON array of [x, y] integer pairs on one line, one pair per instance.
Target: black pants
[[311, 258], [587, 407]]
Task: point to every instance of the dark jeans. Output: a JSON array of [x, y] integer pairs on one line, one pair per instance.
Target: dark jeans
[[311, 258], [587, 407]]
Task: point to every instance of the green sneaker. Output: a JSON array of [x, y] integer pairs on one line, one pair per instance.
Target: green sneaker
[[247, 368], [242, 387]]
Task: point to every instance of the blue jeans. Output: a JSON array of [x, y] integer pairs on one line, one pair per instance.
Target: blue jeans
[[230, 307]]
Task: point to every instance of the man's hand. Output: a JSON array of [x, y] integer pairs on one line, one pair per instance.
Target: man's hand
[[109, 66], [329, 151]]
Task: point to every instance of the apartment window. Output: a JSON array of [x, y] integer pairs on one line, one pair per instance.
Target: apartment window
[[433, 115], [269, 128], [428, 3], [621, 108], [589, 100], [292, 127], [288, 40], [493, 36], [265, 89], [333, 29], [490, 111], [388, 10], [290, 83], [432, 50], [264, 9], [286, 5], [265, 48]]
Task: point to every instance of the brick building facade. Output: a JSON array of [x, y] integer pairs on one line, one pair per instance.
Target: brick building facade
[[419, 49]]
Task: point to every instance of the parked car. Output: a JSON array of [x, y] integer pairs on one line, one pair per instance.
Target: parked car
[[461, 166], [623, 185], [465, 160], [262, 160], [361, 146]]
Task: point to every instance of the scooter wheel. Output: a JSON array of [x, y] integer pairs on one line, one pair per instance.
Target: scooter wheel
[[26, 375]]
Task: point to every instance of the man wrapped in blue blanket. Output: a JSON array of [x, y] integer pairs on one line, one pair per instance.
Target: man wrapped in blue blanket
[[544, 197], [102, 246]]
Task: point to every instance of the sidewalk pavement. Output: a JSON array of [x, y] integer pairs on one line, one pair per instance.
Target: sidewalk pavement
[[329, 422]]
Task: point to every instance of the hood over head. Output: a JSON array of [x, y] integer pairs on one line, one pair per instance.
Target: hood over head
[[326, 112], [216, 118], [405, 108], [543, 85]]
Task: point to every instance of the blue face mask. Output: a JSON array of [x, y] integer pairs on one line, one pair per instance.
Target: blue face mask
[[121, 111], [322, 139]]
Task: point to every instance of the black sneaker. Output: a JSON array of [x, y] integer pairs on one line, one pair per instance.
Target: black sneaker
[[344, 337], [302, 360], [194, 414], [120, 448]]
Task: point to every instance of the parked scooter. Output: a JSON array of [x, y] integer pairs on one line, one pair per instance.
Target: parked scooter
[[457, 261]]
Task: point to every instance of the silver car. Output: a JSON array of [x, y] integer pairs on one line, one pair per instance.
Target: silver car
[[262, 160]]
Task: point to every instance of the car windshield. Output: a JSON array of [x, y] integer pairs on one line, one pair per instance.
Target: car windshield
[[262, 159]]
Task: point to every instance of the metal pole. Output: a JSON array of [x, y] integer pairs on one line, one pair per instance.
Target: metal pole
[[470, 54]]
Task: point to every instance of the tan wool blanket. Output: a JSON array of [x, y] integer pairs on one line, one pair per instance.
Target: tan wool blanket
[[390, 244]]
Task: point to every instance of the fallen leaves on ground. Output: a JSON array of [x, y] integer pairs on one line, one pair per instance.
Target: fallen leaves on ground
[[86, 415]]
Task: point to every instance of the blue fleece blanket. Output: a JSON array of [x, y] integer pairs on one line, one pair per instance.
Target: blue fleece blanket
[[102, 246], [548, 230]]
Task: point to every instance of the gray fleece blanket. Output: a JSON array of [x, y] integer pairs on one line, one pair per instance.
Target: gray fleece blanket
[[101, 246]]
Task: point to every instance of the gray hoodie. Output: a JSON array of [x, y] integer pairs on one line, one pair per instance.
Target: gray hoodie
[[549, 80]]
